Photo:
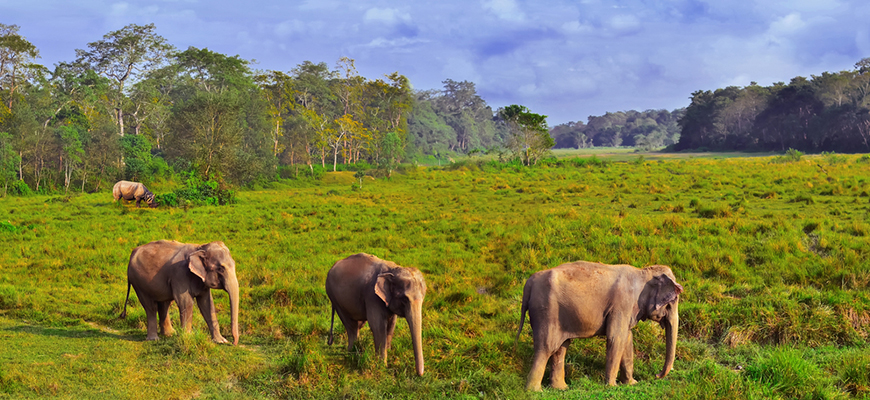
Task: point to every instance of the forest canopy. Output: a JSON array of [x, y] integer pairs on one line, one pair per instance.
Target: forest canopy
[[132, 106], [829, 112]]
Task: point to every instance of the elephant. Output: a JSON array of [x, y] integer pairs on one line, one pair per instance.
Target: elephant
[[585, 299], [364, 288], [133, 191], [164, 271]]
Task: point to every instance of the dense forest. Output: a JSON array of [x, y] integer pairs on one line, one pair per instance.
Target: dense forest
[[131, 106], [830, 112], [645, 130]]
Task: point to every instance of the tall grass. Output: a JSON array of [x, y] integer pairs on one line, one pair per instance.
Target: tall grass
[[768, 279]]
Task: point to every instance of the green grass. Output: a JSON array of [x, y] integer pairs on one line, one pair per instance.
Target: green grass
[[773, 258]]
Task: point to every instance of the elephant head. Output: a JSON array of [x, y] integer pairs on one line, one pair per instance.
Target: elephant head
[[217, 269], [663, 296], [403, 290]]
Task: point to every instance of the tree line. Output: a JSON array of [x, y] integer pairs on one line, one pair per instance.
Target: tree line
[[829, 112], [645, 130], [131, 106]]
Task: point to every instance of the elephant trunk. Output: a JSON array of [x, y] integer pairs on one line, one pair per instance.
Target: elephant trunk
[[232, 287], [415, 325], [671, 324]]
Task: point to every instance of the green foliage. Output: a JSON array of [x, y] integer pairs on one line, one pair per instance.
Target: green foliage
[[198, 192], [19, 188], [645, 130], [824, 113], [791, 155], [833, 158], [775, 301], [787, 372]]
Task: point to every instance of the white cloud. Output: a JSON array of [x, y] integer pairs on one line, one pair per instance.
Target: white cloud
[[290, 27], [393, 43], [505, 9], [575, 27], [388, 16], [789, 24], [624, 23]]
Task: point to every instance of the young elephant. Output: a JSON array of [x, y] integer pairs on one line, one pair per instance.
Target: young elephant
[[133, 191], [584, 299], [364, 288], [164, 271]]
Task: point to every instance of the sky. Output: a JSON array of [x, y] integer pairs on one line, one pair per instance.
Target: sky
[[564, 59]]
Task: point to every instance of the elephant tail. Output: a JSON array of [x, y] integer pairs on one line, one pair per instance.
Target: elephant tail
[[124, 313], [527, 292], [331, 322]]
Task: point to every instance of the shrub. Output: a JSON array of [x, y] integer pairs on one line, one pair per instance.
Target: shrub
[[791, 155], [786, 371], [199, 192], [19, 188], [803, 198]]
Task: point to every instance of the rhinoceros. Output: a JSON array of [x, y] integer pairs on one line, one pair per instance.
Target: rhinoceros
[[133, 191]]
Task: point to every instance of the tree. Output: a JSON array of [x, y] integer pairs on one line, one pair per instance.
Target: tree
[[529, 137], [8, 160], [72, 152], [208, 133], [123, 56], [16, 53]]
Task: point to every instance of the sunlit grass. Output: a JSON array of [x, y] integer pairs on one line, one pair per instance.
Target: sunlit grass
[[773, 257]]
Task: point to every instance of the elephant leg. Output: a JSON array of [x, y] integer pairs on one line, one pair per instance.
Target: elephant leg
[[185, 311], [150, 307], [165, 323], [351, 326], [206, 306], [557, 370], [539, 364], [378, 323], [616, 338], [626, 366], [391, 328]]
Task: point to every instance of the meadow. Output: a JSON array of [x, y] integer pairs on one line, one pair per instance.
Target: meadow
[[773, 255]]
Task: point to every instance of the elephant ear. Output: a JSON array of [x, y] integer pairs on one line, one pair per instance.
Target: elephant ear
[[194, 263], [668, 291], [382, 287]]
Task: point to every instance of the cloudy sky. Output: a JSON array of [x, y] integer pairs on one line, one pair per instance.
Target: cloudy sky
[[565, 59]]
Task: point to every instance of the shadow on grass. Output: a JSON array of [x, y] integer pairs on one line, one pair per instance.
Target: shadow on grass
[[72, 333]]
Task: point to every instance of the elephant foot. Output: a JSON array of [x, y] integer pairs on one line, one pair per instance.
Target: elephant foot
[[630, 381], [219, 339], [151, 337], [168, 332], [533, 387], [559, 385]]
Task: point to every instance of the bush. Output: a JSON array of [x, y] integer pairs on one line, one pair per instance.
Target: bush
[[167, 199], [787, 372], [199, 192], [791, 155], [19, 188]]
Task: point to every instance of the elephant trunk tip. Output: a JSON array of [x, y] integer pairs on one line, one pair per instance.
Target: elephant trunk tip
[[420, 370]]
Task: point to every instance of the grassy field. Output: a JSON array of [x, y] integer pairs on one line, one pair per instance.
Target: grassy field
[[773, 257]]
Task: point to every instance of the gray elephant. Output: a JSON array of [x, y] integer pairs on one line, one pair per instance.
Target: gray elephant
[[164, 271], [584, 299], [133, 191], [364, 288]]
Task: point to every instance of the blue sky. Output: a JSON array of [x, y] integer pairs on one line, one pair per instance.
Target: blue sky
[[564, 59]]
